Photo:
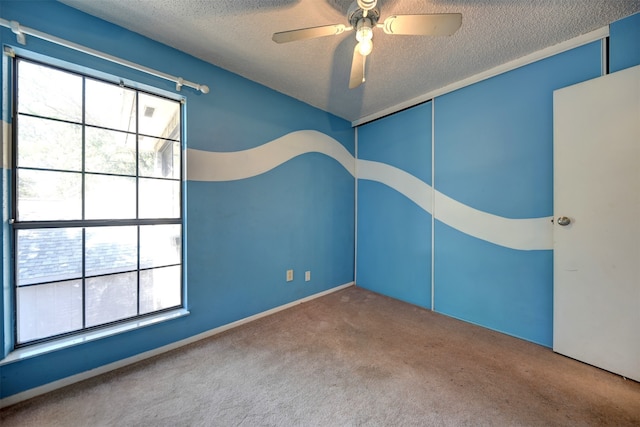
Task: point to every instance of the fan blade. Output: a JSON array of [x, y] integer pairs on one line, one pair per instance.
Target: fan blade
[[357, 69], [443, 24], [308, 33]]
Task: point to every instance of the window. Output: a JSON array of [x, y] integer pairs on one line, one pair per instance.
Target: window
[[97, 203]]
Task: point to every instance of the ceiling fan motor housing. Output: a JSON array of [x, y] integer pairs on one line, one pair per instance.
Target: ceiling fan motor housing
[[367, 4], [356, 13]]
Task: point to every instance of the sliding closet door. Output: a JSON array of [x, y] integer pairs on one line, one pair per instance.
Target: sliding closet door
[[493, 163]]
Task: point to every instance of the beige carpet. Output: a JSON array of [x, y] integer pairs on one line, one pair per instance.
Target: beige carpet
[[347, 359]]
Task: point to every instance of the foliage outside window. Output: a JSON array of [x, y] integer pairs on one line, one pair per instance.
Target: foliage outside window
[[97, 203]]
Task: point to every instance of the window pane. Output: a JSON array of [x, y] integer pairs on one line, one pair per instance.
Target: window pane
[[111, 298], [111, 250], [159, 157], [159, 288], [47, 310], [159, 198], [110, 151], [48, 255], [90, 150], [160, 245], [159, 116], [110, 197], [48, 92], [110, 106], [49, 144], [45, 195]]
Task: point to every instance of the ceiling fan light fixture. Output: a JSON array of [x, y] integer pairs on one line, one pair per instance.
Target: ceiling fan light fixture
[[364, 30], [365, 47]]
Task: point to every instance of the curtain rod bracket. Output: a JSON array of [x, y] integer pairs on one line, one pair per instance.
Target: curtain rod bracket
[[179, 83], [15, 28]]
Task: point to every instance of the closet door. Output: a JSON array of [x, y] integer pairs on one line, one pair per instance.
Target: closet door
[[597, 222]]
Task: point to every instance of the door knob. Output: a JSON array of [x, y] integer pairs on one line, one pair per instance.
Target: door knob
[[563, 220]]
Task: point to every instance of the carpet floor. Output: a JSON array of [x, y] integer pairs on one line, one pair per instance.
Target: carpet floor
[[350, 358]]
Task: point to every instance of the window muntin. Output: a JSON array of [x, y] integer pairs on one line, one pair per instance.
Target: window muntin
[[97, 184]]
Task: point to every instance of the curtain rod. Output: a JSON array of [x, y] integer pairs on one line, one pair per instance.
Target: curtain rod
[[20, 32]]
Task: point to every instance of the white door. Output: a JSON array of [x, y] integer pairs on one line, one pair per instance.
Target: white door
[[597, 254]]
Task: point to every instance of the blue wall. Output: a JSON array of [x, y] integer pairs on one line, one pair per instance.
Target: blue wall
[[493, 167], [394, 233], [242, 233], [624, 45]]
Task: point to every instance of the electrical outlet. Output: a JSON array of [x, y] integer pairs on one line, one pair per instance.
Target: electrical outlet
[[307, 276], [289, 275]]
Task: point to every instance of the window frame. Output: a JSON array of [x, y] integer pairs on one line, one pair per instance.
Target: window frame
[[84, 224]]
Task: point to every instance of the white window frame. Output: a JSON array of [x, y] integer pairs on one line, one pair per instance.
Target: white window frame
[[85, 334]]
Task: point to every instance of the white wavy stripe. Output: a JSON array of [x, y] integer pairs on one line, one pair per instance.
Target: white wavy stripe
[[234, 165], [403, 182], [521, 234]]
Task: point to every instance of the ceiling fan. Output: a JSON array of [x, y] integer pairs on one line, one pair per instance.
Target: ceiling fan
[[363, 17]]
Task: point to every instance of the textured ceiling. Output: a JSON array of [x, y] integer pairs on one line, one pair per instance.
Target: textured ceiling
[[236, 35]]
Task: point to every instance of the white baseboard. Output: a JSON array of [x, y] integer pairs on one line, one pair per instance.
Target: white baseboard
[[46, 388]]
